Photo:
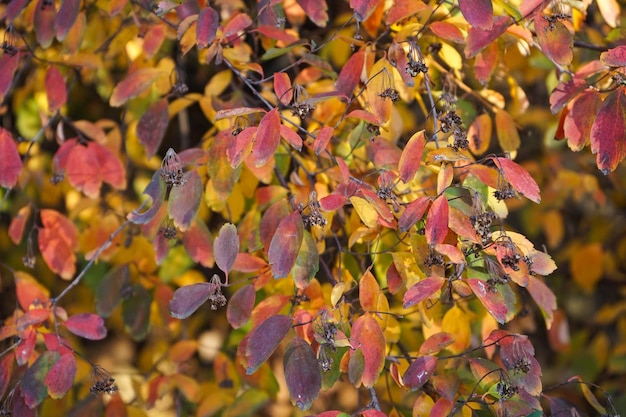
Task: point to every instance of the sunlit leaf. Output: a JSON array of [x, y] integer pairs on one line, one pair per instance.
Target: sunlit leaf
[[608, 137], [285, 245], [369, 337], [413, 212], [267, 138], [586, 266], [60, 378], [56, 90], [57, 241], [302, 373], [564, 92], [29, 291], [554, 39], [491, 296], [87, 325], [10, 160], [421, 291], [610, 11], [350, 75], [34, 389], [579, 119], [419, 372], [447, 30], [133, 85], [479, 134], [437, 220], [206, 27], [189, 298], [152, 126], [411, 158], [264, 339], [479, 13], [184, 201], [226, 247], [32, 317], [519, 178]]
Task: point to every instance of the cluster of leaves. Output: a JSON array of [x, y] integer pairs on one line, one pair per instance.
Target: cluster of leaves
[[357, 181]]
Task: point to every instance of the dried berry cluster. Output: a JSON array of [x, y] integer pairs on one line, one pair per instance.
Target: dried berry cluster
[[390, 93], [102, 382], [172, 169], [482, 224]]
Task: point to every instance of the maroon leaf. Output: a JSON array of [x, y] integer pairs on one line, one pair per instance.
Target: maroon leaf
[[87, 325], [519, 178], [264, 339], [198, 244], [267, 138], [615, 57], [226, 247], [302, 373], [55, 89], [184, 201], [477, 38], [285, 245], [10, 160], [152, 126], [370, 340], [363, 8], [206, 27], [479, 13], [316, 10], [45, 15], [437, 221], [60, 378], [34, 389], [14, 8], [419, 372], [240, 306], [412, 156], [422, 291], [188, 299], [608, 132], [66, 17], [323, 138], [156, 191], [282, 88], [8, 65]]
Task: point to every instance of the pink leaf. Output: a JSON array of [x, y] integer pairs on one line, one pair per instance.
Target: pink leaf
[[8, 66], [363, 8], [422, 291], [491, 298], [236, 24], [66, 17], [87, 325], [57, 240], [564, 92], [226, 247], [302, 373], [60, 378], [198, 243], [350, 75], [292, 137], [133, 85], [437, 221], [240, 306], [419, 372], [45, 15], [519, 178], [264, 339], [188, 299], [370, 340], [323, 138], [285, 245], [156, 191], [608, 132], [10, 160], [479, 13], [152, 126], [316, 10], [580, 117], [282, 88], [412, 156], [206, 27], [447, 31], [402, 9], [477, 38], [267, 138], [615, 57], [436, 343], [55, 89]]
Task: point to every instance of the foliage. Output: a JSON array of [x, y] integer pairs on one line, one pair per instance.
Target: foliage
[[333, 213]]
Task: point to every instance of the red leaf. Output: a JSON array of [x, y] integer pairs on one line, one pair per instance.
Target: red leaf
[[26, 347], [369, 291], [302, 373], [10, 160], [437, 221], [442, 408], [87, 325], [29, 291], [184, 201], [188, 299], [57, 240], [35, 316], [282, 88], [579, 119], [365, 116], [8, 66], [55, 89], [34, 389], [323, 138], [240, 306], [267, 138], [412, 156], [544, 297], [363, 8], [156, 191], [236, 24], [66, 17], [14, 8], [608, 132], [369, 337], [477, 38], [198, 244], [292, 137], [564, 92], [285, 245], [615, 57], [152, 126], [133, 85], [491, 298], [60, 378], [206, 27], [270, 220], [317, 11], [401, 9], [239, 148], [45, 15], [276, 34], [554, 38], [419, 372], [350, 75], [447, 31], [264, 339], [436, 343], [479, 13], [422, 291], [519, 178], [485, 63], [6, 369], [226, 247]]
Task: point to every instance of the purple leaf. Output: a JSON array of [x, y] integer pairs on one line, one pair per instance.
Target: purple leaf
[[188, 299], [264, 339], [302, 373], [226, 247]]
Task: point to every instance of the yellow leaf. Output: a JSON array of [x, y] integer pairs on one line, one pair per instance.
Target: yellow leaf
[[366, 212], [507, 132], [553, 228], [457, 323], [586, 265]]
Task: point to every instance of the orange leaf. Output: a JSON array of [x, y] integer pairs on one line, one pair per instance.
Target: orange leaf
[[507, 132], [238, 23], [437, 221], [10, 160], [369, 337], [369, 291], [479, 134], [586, 265], [133, 85], [18, 224], [402, 9], [412, 156], [554, 39], [57, 240], [197, 242]]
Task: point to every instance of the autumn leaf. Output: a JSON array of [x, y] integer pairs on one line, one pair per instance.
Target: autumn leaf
[[614, 57], [307, 263], [133, 85], [8, 66], [608, 137], [285, 245], [45, 15], [226, 247], [264, 339], [421, 291], [369, 337], [206, 27], [302, 373], [579, 119], [436, 343], [10, 160], [350, 75], [323, 138], [363, 8], [136, 312], [60, 377], [491, 295], [437, 220], [240, 306], [411, 158], [419, 372], [479, 13], [544, 297], [34, 389], [57, 241], [413, 212], [188, 299], [152, 126], [402, 9], [478, 39], [198, 243], [87, 325], [156, 191], [283, 88], [317, 11], [507, 131], [267, 138], [68, 12], [184, 201], [554, 39], [519, 178], [110, 289], [56, 90]]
